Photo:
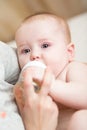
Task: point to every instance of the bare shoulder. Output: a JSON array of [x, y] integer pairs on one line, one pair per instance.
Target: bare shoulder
[[77, 71], [77, 64]]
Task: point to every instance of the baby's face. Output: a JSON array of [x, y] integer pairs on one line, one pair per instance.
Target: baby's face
[[42, 40]]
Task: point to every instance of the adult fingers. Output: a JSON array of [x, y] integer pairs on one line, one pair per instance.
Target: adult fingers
[[27, 83], [19, 98], [47, 81]]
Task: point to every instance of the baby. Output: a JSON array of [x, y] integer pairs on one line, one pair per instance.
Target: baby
[[46, 38]]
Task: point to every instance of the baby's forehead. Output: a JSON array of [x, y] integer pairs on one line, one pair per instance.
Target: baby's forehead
[[44, 20], [45, 17], [51, 20], [43, 25]]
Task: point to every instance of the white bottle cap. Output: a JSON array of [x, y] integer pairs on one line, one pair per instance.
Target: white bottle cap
[[34, 63]]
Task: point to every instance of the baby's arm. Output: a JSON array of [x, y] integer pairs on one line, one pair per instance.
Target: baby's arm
[[72, 93]]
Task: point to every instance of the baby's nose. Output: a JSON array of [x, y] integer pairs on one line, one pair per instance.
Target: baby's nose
[[35, 56]]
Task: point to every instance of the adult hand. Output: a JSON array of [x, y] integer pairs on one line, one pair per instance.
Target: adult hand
[[39, 111]]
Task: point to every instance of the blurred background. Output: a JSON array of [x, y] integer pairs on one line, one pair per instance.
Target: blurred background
[[12, 12]]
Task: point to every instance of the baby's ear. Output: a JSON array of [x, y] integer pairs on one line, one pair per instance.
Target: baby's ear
[[71, 51]]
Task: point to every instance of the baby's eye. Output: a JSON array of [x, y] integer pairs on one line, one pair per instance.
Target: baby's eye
[[26, 51], [45, 45]]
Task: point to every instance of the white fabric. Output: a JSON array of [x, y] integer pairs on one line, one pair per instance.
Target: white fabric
[[12, 120], [9, 68], [9, 73]]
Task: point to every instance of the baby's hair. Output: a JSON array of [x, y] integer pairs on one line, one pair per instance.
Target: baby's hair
[[44, 15]]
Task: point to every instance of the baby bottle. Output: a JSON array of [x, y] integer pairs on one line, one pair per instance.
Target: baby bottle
[[37, 68]]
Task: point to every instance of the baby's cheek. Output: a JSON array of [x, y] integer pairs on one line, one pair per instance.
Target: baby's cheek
[[23, 61]]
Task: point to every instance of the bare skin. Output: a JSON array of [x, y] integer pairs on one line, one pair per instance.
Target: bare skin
[[46, 40], [65, 112], [38, 110]]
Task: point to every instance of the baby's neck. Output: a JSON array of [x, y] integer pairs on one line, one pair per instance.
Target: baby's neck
[[63, 74]]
